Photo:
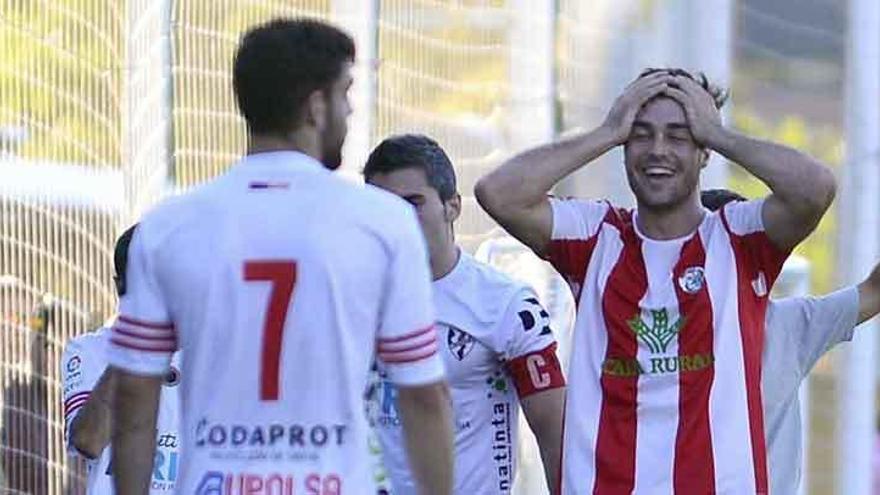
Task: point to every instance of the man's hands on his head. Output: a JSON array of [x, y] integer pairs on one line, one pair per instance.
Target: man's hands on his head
[[618, 122], [703, 117]]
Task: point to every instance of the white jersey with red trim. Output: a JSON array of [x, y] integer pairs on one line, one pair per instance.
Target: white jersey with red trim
[[83, 363], [496, 342], [664, 388], [280, 280]]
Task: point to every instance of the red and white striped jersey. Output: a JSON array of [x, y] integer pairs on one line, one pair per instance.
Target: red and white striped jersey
[[282, 281], [665, 375]]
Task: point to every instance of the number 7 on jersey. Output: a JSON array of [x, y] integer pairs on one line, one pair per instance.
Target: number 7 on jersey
[[282, 275]]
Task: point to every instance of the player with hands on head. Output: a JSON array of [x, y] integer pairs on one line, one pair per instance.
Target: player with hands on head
[[671, 297]]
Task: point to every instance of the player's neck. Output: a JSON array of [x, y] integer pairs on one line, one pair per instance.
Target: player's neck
[[666, 224], [442, 263], [264, 143]]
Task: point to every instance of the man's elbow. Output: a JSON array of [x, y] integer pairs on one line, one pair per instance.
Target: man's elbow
[[822, 188], [488, 195], [85, 442]]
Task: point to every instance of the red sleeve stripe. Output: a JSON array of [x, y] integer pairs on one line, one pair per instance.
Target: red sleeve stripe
[[74, 407], [143, 330], [136, 334], [75, 397], [409, 344], [409, 357], [406, 336], [145, 324], [415, 344], [161, 347]]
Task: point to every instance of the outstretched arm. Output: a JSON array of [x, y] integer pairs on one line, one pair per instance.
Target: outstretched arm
[[802, 188], [515, 194]]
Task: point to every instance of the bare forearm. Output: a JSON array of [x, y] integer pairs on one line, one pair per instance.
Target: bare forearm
[[528, 177], [427, 423], [544, 413], [869, 296], [795, 178], [135, 405], [90, 430]]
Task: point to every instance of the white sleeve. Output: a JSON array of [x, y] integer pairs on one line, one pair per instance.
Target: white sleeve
[[529, 347], [81, 367], [143, 337], [745, 222], [407, 341], [575, 225], [526, 327], [813, 325], [576, 219]]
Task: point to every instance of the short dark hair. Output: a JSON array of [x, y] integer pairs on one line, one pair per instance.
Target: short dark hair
[[120, 259], [280, 63], [719, 95], [715, 199], [414, 151]]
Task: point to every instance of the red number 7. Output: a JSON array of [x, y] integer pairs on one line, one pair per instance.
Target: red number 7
[[282, 275]]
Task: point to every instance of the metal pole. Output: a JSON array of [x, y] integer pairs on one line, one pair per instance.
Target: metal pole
[[532, 73], [148, 106], [858, 361], [361, 19], [532, 79], [711, 52]]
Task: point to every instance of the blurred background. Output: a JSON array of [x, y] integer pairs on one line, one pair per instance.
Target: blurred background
[[106, 106]]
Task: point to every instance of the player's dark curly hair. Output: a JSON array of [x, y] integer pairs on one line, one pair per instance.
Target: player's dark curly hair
[[715, 199], [718, 94], [280, 63], [414, 151]]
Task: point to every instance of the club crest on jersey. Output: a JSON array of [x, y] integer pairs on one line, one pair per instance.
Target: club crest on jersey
[[460, 343], [692, 280]]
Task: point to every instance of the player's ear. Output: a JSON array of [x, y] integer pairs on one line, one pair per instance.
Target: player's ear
[[452, 208], [704, 157], [315, 110]]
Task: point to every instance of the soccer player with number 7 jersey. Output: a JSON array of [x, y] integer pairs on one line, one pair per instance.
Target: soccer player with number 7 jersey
[[494, 336], [664, 391], [280, 281]]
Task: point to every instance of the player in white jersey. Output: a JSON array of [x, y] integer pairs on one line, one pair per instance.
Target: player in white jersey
[[664, 381], [280, 281], [495, 337], [800, 330], [88, 386], [87, 416]]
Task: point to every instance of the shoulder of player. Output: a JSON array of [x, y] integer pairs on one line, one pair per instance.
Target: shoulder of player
[[383, 200], [88, 340], [742, 217], [489, 294], [87, 350], [384, 210], [490, 278], [171, 214]]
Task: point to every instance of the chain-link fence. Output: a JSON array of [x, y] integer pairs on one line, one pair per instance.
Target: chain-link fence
[[107, 105]]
